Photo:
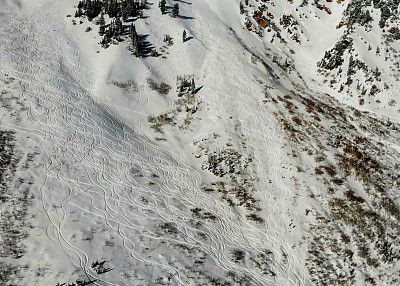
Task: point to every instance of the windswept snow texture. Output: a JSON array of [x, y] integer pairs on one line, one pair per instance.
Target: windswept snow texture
[[211, 197]]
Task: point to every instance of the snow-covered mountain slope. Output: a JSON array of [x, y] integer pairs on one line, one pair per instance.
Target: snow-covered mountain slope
[[231, 157]]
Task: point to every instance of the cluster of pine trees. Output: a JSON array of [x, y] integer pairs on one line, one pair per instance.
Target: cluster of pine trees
[[118, 11], [112, 8], [89, 8], [186, 85], [175, 10], [114, 31]]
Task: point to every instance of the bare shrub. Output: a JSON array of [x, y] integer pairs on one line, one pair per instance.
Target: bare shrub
[[162, 88]]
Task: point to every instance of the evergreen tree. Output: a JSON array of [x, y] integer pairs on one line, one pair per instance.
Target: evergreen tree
[[132, 30], [126, 9], [134, 36], [168, 40], [154, 53], [112, 9], [105, 41], [377, 72], [102, 30], [138, 50], [193, 86], [175, 10], [92, 8], [78, 13], [101, 19], [163, 7], [124, 15], [181, 90], [184, 36], [119, 29], [136, 43], [102, 24], [140, 13]]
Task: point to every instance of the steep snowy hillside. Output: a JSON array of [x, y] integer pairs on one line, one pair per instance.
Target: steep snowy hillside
[[224, 142]]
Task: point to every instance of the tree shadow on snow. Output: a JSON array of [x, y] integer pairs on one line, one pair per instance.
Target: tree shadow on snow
[[185, 17], [184, 2], [131, 20], [198, 89], [146, 46]]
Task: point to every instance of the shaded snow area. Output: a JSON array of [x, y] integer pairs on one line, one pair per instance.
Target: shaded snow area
[[261, 147]]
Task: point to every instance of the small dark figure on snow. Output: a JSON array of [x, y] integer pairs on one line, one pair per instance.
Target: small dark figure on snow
[[184, 36]]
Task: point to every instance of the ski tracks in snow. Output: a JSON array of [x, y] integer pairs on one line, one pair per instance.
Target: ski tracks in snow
[[258, 126], [92, 156]]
